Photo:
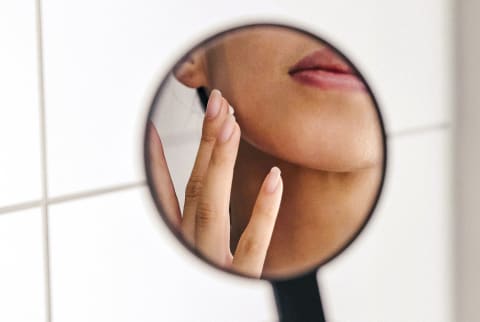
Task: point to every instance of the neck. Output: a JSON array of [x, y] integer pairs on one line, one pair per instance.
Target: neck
[[320, 211]]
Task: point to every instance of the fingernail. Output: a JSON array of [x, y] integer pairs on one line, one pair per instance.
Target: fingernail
[[214, 104], [227, 129], [272, 180], [231, 110]]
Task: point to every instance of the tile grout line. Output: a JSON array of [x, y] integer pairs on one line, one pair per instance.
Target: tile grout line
[[93, 193], [420, 130], [70, 197], [43, 162], [20, 206]]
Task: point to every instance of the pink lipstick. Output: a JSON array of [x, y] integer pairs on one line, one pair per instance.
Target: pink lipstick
[[325, 70]]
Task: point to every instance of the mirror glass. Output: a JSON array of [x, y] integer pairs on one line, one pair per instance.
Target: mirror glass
[[265, 151]]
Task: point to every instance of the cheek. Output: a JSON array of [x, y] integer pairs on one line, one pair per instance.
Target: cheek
[[330, 137], [316, 129]]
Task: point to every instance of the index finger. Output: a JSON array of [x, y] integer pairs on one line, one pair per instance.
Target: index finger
[[252, 247]]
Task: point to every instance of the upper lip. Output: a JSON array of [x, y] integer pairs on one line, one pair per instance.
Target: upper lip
[[324, 59]]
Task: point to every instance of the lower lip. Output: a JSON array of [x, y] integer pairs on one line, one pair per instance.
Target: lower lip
[[328, 80]]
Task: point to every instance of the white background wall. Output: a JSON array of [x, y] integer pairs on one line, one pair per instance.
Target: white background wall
[[79, 239]]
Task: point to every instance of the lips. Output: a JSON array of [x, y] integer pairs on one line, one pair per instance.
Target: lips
[[324, 69]]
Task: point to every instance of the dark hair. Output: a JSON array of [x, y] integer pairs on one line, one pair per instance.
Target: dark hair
[[202, 94]]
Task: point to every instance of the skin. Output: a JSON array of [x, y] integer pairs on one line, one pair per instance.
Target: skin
[[205, 221], [327, 143]]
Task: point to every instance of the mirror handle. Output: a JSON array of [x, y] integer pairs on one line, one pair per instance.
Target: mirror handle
[[299, 299]]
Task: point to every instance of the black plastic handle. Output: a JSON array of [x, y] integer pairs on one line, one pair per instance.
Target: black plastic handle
[[298, 300]]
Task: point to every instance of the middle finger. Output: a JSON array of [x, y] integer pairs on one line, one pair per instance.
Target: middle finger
[[213, 204], [215, 115]]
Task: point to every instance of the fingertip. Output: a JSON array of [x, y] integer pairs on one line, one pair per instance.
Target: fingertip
[[150, 131], [216, 91], [276, 169], [237, 126], [149, 126], [273, 179], [228, 128], [214, 105]]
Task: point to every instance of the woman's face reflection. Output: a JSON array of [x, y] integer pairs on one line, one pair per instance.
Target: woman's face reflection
[[300, 107], [333, 127]]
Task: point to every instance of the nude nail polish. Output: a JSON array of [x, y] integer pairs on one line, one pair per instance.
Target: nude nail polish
[[214, 104], [271, 182], [227, 129]]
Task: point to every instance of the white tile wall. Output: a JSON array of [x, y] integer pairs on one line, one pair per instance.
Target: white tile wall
[[110, 258], [102, 60], [99, 59], [111, 261], [19, 104], [22, 267], [404, 48]]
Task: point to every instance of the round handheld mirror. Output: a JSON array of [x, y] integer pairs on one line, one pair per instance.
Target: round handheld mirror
[[265, 154]]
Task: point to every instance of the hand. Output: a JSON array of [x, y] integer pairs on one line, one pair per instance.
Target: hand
[[205, 223]]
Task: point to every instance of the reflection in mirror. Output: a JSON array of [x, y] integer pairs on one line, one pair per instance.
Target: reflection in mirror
[[265, 151]]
